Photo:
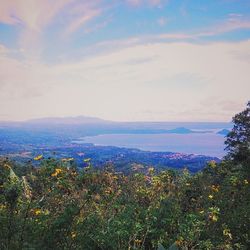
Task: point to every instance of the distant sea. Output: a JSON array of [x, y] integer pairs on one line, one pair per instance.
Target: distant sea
[[210, 144]]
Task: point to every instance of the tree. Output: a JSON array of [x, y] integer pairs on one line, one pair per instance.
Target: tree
[[238, 140]]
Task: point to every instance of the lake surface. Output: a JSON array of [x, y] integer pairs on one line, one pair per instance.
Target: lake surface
[[210, 144]]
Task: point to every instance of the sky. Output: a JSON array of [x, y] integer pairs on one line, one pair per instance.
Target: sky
[[124, 60]]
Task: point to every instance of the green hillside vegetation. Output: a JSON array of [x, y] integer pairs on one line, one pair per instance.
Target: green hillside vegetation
[[57, 206]]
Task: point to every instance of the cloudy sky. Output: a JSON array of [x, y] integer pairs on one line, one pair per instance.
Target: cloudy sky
[[124, 60]]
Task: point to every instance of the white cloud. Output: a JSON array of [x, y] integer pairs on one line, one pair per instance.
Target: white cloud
[[170, 81]]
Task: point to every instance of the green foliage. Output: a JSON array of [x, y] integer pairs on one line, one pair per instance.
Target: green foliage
[[57, 206]]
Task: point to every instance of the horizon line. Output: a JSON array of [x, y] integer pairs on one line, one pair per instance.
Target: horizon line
[[107, 120]]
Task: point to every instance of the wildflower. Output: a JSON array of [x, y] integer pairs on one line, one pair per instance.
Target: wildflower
[[214, 213], [73, 235], [57, 171], [213, 217], [212, 164], [46, 212], [246, 182], [97, 197], [215, 188], [108, 191], [137, 241], [39, 157], [2, 206], [151, 170], [7, 166], [37, 211], [202, 212], [178, 242], [226, 232], [211, 196], [188, 184], [73, 173]]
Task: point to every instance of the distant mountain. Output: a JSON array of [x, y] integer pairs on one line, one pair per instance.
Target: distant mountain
[[180, 130], [223, 132], [69, 120]]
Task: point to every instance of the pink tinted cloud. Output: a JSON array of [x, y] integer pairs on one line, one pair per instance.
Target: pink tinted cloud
[[6, 12], [155, 3], [225, 27], [3, 49], [80, 14], [36, 15], [81, 20], [31, 14]]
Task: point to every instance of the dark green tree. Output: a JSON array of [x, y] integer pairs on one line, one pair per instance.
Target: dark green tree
[[238, 140]]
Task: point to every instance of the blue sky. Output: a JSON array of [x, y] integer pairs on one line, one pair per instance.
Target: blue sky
[[166, 60]]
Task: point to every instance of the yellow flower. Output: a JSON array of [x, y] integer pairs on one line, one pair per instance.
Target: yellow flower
[[246, 182], [7, 166], [188, 184], [226, 232], [107, 191], [212, 164], [2, 206], [37, 211], [215, 188], [211, 196], [73, 235], [39, 157], [214, 218], [57, 171], [178, 242], [46, 212], [137, 241], [151, 170], [214, 213]]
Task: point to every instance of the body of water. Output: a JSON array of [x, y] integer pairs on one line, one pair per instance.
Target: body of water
[[210, 144]]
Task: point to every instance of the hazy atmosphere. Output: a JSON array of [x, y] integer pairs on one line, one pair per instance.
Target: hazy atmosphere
[[124, 124], [130, 60]]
